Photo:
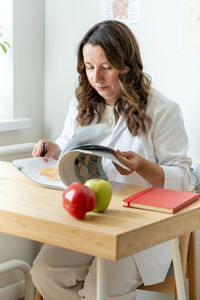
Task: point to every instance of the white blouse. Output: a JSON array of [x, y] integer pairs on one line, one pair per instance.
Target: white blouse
[[165, 143]]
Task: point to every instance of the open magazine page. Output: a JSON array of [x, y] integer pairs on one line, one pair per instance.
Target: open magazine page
[[83, 164], [80, 160], [43, 173], [86, 140], [80, 165], [87, 135]]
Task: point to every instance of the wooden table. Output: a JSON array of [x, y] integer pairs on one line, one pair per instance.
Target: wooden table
[[30, 211]]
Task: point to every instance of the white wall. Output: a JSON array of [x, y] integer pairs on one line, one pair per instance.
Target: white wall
[[65, 24], [174, 71]]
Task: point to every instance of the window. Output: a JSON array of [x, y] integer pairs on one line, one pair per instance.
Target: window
[[7, 121], [6, 73]]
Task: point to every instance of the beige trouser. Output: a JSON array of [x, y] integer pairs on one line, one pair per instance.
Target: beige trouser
[[68, 275]]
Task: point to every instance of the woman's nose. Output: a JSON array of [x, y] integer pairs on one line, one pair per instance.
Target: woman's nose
[[97, 77]]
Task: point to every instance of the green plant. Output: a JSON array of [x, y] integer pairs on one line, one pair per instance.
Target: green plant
[[4, 45]]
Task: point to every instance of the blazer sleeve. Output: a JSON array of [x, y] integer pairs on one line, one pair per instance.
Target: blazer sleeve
[[70, 124], [170, 145]]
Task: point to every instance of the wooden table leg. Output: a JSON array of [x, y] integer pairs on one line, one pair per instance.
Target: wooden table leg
[[101, 278], [192, 263], [178, 269]]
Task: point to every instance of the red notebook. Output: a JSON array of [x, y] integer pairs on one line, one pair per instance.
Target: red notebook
[[163, 200]]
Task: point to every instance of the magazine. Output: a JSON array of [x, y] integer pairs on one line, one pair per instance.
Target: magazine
[[80, 160]]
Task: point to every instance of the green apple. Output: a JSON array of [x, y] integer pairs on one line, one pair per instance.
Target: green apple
[[103, 192]]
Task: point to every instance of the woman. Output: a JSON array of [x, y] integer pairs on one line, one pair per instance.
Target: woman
[[148, 130]]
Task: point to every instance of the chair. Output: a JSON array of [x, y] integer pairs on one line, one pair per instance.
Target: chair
[[188, 261], [23, 266]]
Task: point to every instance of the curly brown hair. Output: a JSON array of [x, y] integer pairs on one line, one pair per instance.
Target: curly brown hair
[[122, 51]]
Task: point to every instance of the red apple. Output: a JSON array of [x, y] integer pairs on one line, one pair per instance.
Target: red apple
[[78, 199]]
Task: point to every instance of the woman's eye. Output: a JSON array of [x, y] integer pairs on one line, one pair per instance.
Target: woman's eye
[[88, 67], [107, 68]]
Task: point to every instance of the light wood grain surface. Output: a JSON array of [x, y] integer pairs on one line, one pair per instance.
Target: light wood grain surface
[[30, 211]]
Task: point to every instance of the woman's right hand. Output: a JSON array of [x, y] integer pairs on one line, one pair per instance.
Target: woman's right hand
[[51, 150]]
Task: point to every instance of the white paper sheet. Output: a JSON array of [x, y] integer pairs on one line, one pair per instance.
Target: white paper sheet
[[191, 26], [127, 11]]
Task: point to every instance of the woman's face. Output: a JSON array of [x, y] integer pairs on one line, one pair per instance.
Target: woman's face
[[101, 74]]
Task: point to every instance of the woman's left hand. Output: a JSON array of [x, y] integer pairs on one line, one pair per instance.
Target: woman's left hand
[[128, 158], [150, 171]]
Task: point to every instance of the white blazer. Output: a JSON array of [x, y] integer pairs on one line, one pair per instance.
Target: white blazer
[[166, 144]]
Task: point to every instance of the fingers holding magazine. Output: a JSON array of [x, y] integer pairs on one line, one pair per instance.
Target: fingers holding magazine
[[129, 159], [46, 149]]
